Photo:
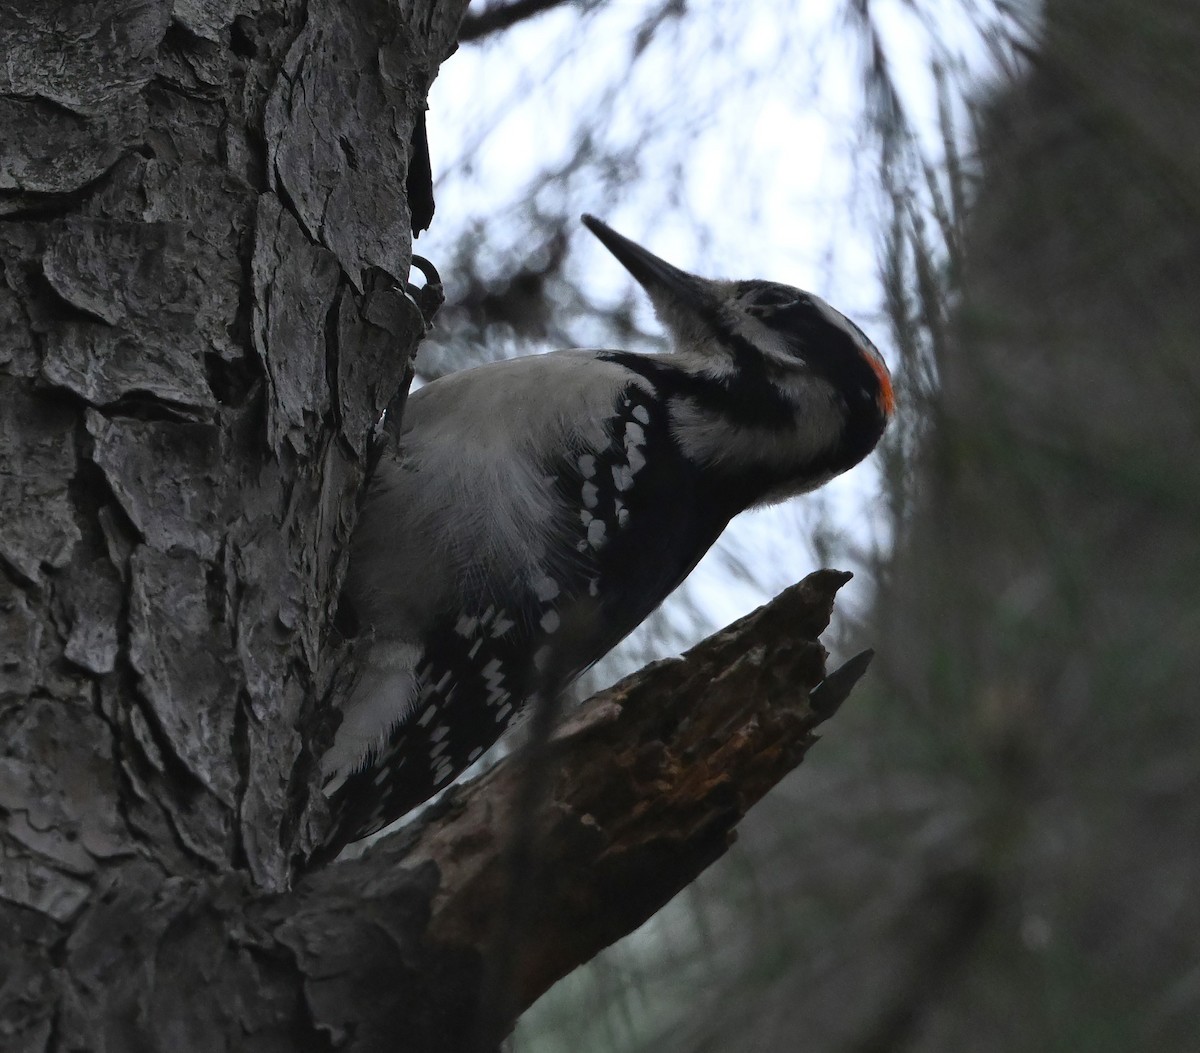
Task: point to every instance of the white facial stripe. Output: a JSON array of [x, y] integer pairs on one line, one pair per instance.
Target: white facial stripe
[[708, 441], [769, 341]]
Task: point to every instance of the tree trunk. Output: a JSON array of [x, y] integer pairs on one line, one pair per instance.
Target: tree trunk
[[204, 246]]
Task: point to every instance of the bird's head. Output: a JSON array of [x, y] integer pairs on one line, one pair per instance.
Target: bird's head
[[756, 327]]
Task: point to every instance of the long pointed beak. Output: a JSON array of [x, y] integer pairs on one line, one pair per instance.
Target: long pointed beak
[[660, 279]]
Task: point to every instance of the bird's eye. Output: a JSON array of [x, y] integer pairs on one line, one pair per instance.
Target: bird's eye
[[771, 296]]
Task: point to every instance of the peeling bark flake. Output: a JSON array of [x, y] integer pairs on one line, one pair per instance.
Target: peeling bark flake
[[295, 283]]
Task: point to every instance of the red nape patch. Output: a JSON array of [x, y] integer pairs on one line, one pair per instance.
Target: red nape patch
[[887, 400]]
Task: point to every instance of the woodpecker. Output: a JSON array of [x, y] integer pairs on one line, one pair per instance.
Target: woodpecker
[[535, 511]]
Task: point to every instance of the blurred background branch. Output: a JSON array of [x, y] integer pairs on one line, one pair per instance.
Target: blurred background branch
[[496, 17]]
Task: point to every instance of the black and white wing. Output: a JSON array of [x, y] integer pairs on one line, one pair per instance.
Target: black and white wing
[[621, 508]]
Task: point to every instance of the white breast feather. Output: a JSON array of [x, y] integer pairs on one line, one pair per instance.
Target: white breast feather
[[462, 507]]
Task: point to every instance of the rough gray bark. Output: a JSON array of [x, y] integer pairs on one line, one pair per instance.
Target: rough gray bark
[[204, 241], [204, 227]]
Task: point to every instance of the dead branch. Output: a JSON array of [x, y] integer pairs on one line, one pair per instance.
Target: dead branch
[[647, 783]]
